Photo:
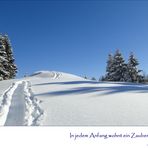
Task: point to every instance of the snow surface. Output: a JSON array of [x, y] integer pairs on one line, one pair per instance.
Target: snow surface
[[57, 98]]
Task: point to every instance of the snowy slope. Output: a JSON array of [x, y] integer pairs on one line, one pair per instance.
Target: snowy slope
[[56, 98]]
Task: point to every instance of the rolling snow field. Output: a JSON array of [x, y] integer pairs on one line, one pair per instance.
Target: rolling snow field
[[61, 99]]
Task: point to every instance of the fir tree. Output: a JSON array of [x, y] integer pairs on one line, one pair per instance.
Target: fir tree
[[133, 74], [118, 67], [4, 74], [102, 78], [109, 68], [85, 77], [11, 66], [7, 67], [93, 78]]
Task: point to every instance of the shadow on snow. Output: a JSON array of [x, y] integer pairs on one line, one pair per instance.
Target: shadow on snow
[[90, 82], [106, 90]]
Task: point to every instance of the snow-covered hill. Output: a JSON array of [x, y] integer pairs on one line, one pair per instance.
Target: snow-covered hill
[[56, 98]]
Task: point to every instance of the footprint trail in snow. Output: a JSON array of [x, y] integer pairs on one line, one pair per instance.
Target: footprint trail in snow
[[19, 107]]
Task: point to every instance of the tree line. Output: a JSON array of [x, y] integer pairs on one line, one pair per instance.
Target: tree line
[[8, 69], [118, 70]]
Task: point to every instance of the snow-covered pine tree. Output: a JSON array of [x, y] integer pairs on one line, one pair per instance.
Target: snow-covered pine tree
[[133, 74], [85, 77], [109, 68], [118, 67], [4, 74], [12, 68], [93, 78], [102, 78], [7, 67]]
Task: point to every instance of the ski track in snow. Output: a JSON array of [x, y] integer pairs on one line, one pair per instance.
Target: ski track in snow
[[57, 75], [16, 112], [33, 113], [6, 102]]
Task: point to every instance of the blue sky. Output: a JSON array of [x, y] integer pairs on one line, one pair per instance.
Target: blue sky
[[74, 36]]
